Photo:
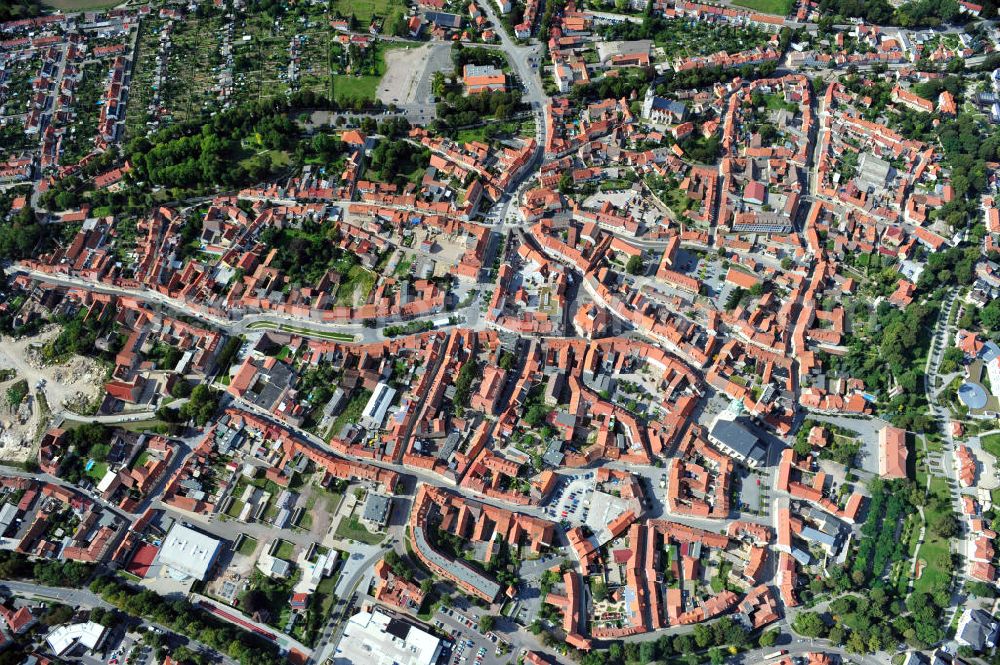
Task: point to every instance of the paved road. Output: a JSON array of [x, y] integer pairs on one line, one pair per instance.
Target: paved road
[[521, 58], [799, 648], [248, 322], [332, 631]]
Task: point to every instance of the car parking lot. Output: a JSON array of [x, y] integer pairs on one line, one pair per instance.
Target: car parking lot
[[570, 502], [471, 647], [128, 651]]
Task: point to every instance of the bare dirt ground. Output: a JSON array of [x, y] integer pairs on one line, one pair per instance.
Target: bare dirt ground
[[408, 72], [74, 383]]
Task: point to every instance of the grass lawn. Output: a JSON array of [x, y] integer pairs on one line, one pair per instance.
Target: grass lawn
[[991, 444], [235, 509], [937, 555], [339, 337], [359, 283], [351, 413], [355, 87], [98, 471], [267, 325], [327, 585], [492, 128], [403, 267], [779, 7], [152, 425], [353, 530], [471, 134], [278, 157], [935, 551], [326, 588], [285, 550], [921, 469], [677, 201], [247, 546], [331, 499], [348, 87], [363, 10], [79, 5]]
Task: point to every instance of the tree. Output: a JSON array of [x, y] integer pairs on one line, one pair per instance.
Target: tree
[[201, 406], [734, 298], [599, 590], [981, 590], [856, 643], [951, 359], [716, 656], [168, 414], [809, 624], [487, 622], [802, 447], [843, 605], [769, 638], [507, 360], [683, 644], [634, 265], [990, 315], [181, 388], [566, 183], [945, 525]]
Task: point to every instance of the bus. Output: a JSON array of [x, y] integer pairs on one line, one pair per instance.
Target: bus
[[776, 654]]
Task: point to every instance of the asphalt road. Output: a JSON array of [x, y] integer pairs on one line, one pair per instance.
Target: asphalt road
[[247, 323]]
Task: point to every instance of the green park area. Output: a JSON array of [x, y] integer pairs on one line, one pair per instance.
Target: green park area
[[935, 553], [352, 529], [365, 10], [778, 7], [991, 444], [79, 5]]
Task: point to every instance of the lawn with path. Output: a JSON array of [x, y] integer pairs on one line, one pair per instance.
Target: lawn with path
[[352, 529], [935, 553]]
